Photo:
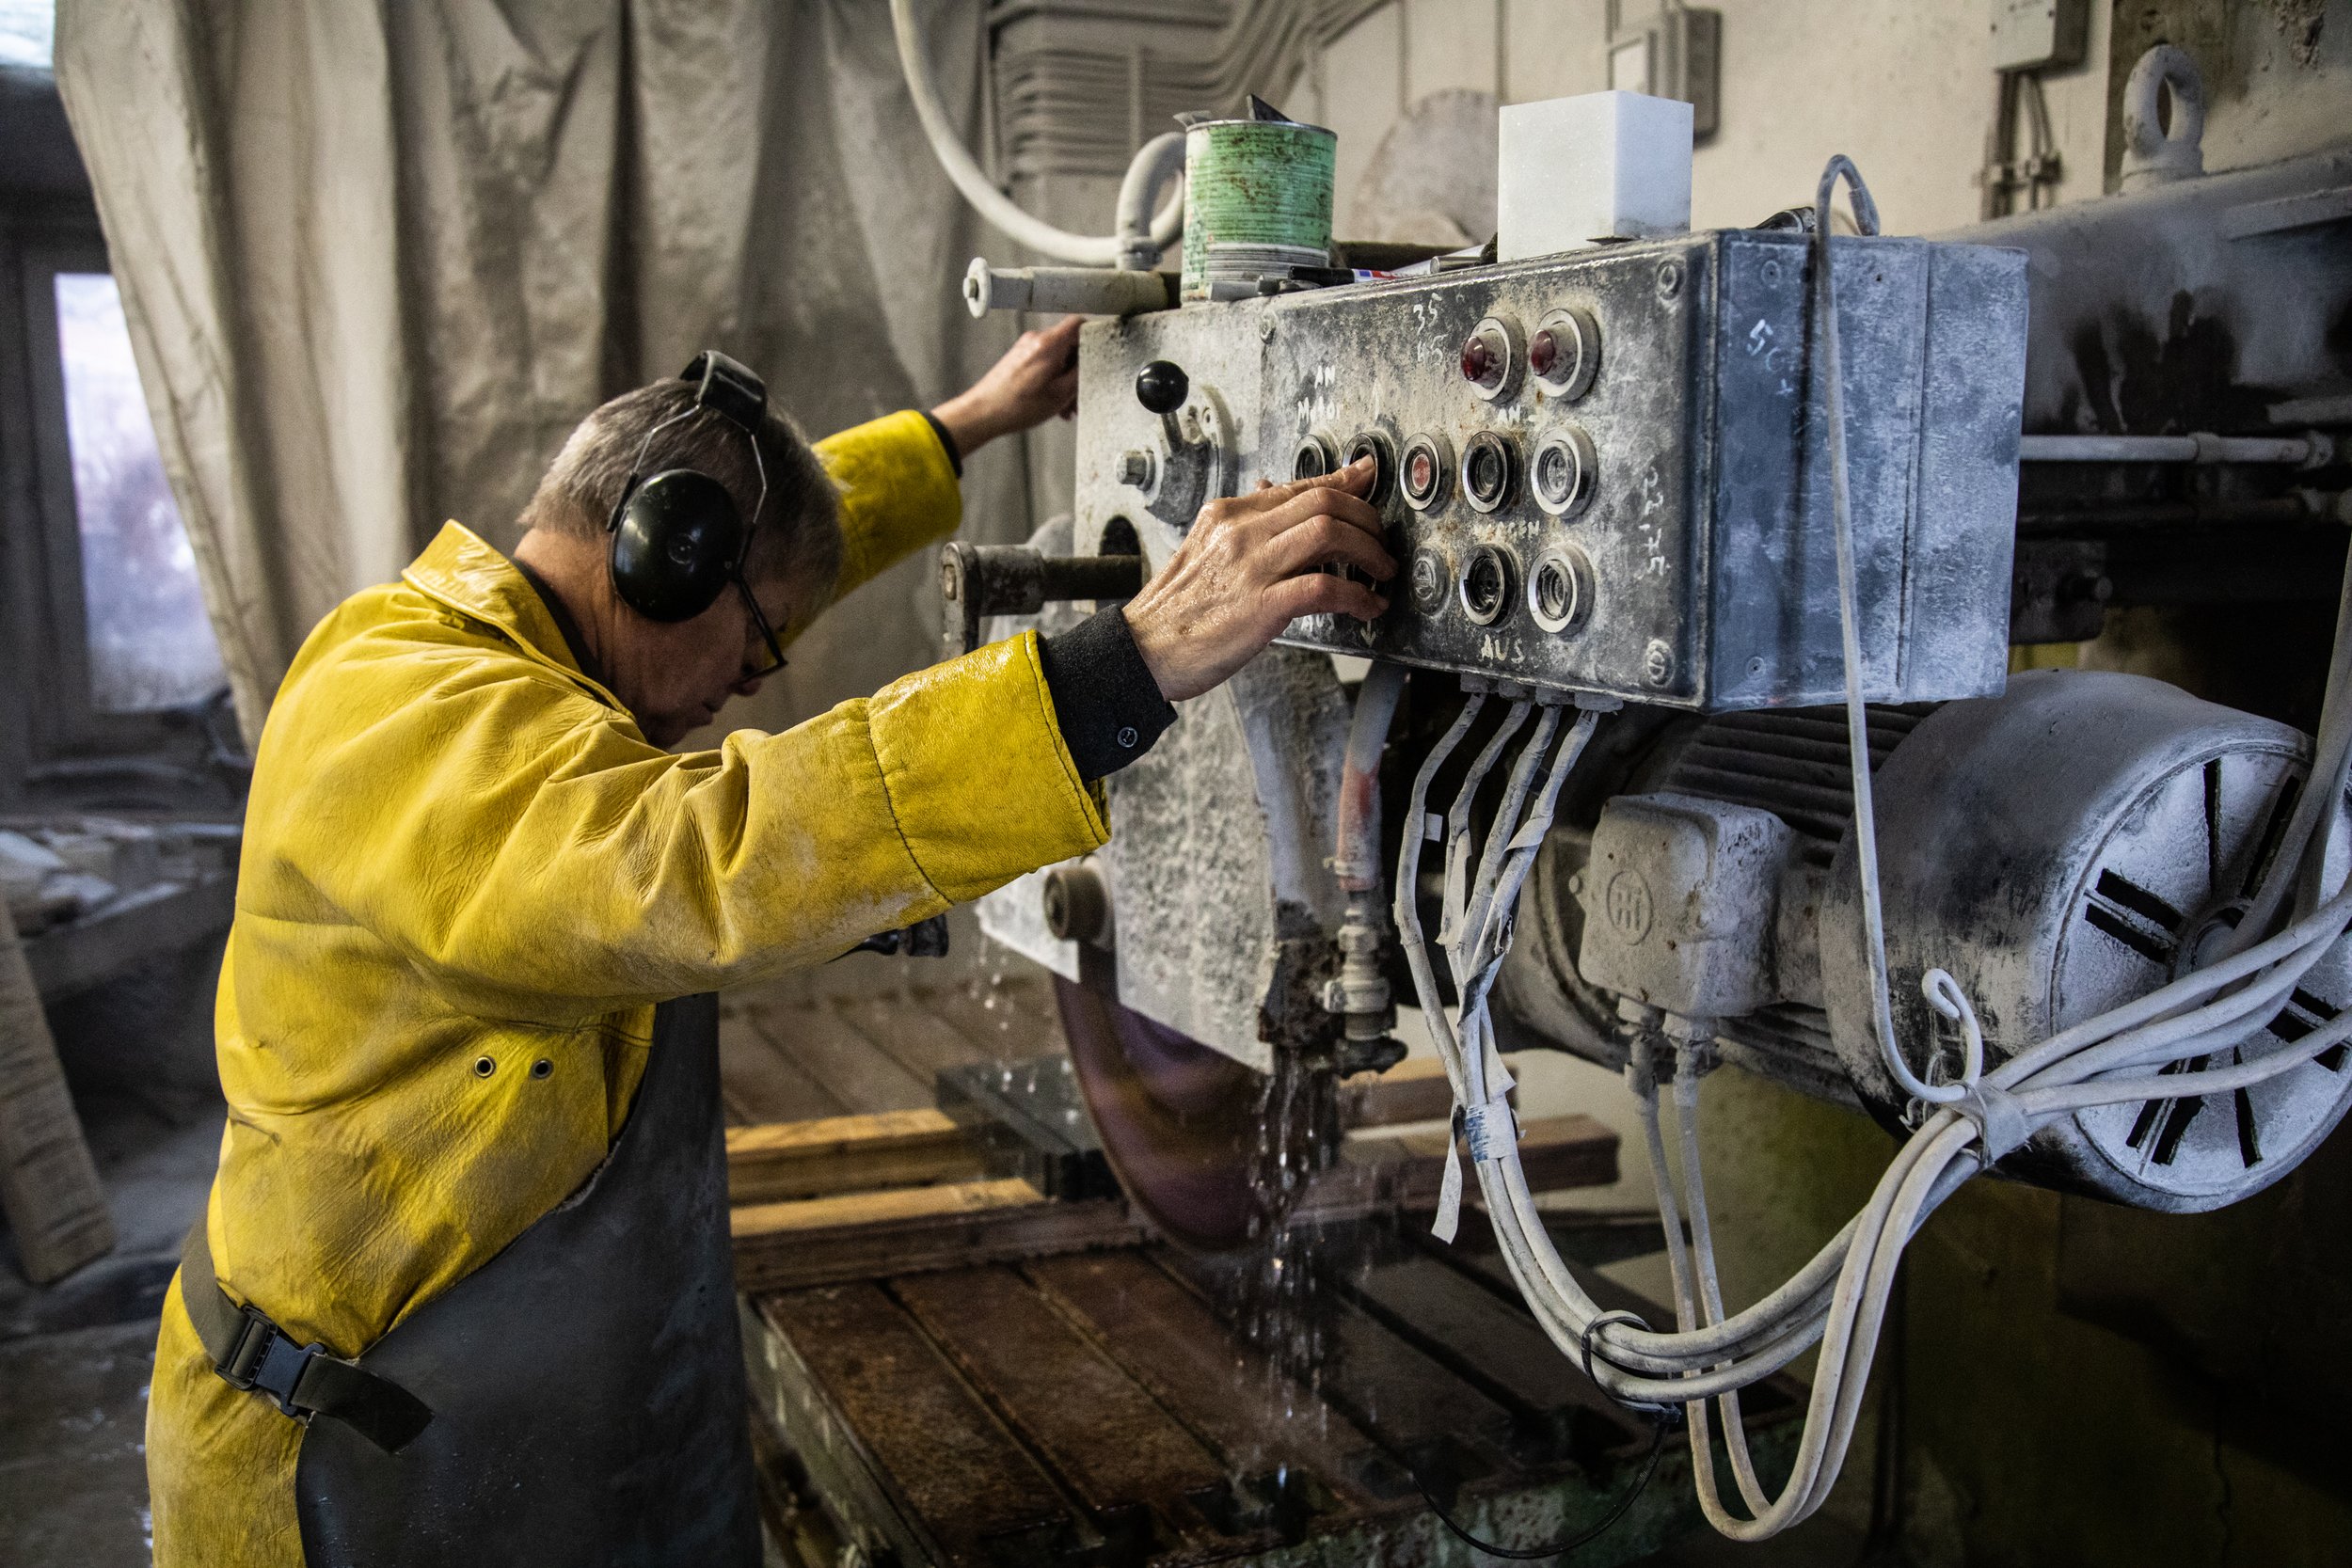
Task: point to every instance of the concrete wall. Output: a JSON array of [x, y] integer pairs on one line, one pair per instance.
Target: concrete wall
[[1904, 87]]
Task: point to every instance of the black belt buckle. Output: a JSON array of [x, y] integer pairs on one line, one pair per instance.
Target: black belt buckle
[[265, 1361]]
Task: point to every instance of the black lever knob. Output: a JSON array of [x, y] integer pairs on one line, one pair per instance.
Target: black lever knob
[[1162, 387]]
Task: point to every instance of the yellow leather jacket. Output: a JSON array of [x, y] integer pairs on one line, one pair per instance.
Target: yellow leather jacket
[[466, 881]]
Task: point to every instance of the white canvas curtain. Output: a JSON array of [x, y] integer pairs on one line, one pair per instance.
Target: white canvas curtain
[[380, 255]]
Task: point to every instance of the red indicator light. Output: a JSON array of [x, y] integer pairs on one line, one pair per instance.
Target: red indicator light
[[1543, 353], [1479, 362]]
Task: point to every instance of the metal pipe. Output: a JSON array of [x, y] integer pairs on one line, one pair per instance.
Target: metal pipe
[[2311, 450], [976, 581], [2043, 518], [1066, 291], [1361, 993], [1358, 862]]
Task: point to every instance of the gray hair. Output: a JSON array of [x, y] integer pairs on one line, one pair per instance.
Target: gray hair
[[797, 539]]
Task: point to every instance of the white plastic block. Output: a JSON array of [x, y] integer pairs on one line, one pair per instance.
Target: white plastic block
[[1577, 171]]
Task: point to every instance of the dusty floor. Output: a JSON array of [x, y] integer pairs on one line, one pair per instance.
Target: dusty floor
[[75, 1358]]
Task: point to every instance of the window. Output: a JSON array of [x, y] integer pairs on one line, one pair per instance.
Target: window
[[112, 689], [112, 695], [26, 27], [149, 643]]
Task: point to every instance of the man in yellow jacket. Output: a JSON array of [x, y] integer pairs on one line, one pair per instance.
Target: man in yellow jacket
[[462, 1292]]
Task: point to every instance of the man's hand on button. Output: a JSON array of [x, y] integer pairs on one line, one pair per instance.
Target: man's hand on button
[[1251, 566]]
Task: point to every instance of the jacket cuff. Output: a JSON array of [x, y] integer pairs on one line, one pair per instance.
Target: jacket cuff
[[899, 493], [1108, 700], [947, 442], [980, 782]]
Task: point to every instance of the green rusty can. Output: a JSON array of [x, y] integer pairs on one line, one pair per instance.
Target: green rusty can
[[1257, 199]]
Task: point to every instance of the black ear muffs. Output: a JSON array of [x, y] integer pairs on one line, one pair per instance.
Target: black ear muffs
[[677, 539], [676, 542]]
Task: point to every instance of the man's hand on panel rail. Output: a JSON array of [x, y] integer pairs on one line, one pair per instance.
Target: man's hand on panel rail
[[1037, 378], [1251, 565]]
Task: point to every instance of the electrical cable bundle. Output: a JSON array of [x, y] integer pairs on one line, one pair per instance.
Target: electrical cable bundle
[[2156, 1046]]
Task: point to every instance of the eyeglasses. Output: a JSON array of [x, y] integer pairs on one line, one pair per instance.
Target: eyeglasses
[[774, 650]]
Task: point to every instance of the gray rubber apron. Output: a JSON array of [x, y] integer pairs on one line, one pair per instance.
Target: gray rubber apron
[[587, 1384]]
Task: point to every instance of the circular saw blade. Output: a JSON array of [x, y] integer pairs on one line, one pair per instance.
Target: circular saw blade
[[1184, 1127]]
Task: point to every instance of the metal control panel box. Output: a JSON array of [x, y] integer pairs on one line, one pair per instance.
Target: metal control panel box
[[1607, 471]]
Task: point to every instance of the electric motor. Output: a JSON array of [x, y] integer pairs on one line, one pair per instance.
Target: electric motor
[[2060, 849]]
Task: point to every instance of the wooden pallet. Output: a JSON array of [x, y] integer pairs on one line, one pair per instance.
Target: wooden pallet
[[965, 1374]]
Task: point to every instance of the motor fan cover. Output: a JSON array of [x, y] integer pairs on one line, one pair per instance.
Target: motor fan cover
[[2062, 849]]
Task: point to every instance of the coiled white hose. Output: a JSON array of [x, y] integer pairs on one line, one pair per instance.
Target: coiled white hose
[[1136, 244]]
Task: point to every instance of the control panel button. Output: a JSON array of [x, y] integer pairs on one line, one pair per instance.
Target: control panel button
[[1372, 444], [1429, 466], [1162, 387], [1491, 357], [1566, 351], [1563, 471], [1488, 582], [1560, 588], [1489, 469], [1429, 577], [1313, 457]]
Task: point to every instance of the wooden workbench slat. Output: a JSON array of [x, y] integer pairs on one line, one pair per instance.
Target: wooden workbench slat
[[760, 1084], [1496, 1346], [816, 1157], [949, 1473], [820, 1042], [1222, 1387], [1407, 1170], [781, 1258], [774, 1161], [963, 1224], [1415, 1089], [849, 1211], [1105, 1436]]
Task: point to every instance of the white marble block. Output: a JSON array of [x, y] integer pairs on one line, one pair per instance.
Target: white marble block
[[1605, 166]]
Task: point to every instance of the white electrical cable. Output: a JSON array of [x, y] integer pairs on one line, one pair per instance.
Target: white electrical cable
[[1148, 168], [1943, 992], [1839, 1298]]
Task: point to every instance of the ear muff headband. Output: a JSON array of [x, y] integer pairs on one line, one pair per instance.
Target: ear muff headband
[[677, 537]]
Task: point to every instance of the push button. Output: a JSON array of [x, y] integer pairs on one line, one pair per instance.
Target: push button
[[1429, 465], [1563, 471], [1487, 581], [1490, 468]]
